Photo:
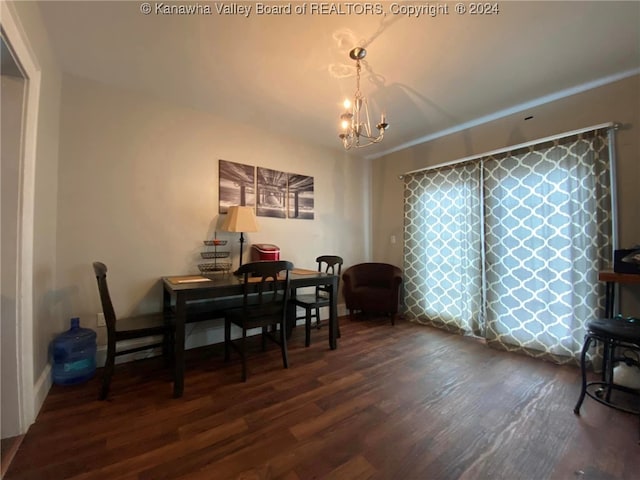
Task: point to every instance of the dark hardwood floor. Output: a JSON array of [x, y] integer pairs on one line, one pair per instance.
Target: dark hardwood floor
[[8, 448], [402, 402]]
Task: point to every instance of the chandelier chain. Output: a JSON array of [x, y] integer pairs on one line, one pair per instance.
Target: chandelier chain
[[358, 68]]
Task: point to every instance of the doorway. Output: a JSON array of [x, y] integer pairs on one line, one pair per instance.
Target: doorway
[[20, 83], [12, 92]]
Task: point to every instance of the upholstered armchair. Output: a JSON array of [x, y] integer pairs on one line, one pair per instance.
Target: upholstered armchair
[[372, 287]]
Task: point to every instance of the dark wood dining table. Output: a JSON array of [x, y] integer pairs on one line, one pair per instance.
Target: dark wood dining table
[[179, 291]]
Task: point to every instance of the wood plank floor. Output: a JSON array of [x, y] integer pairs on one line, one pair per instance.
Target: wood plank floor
[[403, 402]]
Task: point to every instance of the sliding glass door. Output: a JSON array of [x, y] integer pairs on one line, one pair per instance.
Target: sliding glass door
[[443, 248], [508, 246], [546, 234]]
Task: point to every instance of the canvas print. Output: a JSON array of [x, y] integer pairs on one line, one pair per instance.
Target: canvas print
[[300, 196], [236, 185], [271, 193]]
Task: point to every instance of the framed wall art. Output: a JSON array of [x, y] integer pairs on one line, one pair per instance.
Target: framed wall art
[[237, 185], [300, 197], [271, 190]]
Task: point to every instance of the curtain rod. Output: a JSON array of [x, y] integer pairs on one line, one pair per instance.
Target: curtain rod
[[515, 147]]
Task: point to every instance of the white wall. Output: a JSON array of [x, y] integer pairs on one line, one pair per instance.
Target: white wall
[[138, 190], [617, 102]]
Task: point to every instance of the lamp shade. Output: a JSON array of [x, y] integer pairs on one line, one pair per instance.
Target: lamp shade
[[240, 219]]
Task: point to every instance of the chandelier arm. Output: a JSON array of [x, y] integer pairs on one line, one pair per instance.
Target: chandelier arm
[[367, 126]]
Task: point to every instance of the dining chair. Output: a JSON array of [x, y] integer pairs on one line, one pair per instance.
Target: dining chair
[[313, 302], [122, 329], [264, 299]]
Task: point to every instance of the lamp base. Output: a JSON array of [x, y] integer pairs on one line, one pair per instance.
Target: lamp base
[[241, 248]]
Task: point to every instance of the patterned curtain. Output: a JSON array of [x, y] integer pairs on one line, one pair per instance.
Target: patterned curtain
[[508, 247], [443, 248], [548, 229]]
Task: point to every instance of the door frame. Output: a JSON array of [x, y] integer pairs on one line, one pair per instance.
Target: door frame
[[16, 38]]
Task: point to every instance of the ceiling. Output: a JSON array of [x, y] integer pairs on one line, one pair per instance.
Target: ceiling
[[290, 73]]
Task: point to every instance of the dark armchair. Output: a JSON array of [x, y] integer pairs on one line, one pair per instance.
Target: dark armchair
[[372, 287]]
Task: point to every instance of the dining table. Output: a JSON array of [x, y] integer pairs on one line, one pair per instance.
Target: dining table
[[181, 291]]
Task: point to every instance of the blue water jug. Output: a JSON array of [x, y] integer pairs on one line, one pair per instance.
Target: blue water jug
[[74, 355]]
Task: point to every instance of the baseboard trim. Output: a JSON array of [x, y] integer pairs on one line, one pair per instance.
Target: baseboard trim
[[101, 353], [41, 389]]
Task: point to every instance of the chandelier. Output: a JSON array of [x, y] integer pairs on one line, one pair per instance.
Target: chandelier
[[355, 123]]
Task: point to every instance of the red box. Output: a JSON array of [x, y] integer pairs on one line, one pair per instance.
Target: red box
[[264, 251]]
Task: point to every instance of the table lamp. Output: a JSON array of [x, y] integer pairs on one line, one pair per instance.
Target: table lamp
[[240, 219]]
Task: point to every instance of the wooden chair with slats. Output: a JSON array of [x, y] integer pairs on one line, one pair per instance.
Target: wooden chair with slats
[[149, 327], [313, 302], [265, 295]]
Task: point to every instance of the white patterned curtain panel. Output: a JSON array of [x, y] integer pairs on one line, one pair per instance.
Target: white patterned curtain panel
[[443, 248], [508, 247]]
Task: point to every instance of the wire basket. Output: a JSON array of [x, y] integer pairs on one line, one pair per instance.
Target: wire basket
[[214, 254], [215, 243], [214, 267]]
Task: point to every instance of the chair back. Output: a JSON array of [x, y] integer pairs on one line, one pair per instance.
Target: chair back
[[373, 287], [332, 265], [373, 274], [266, 286], [107, 306]]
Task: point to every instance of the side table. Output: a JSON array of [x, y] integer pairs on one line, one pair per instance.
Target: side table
[[611, 278]]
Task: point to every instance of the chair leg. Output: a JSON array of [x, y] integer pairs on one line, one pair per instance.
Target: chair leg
[[264, 338], [227, 339], [307, 327], [607, 367], [583, 368], [243, 353], [318, 322], [168, 345], [283, 346], [108, 370]]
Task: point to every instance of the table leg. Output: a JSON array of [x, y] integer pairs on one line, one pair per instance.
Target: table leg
[[609, 299], [178, 380], [291, 313], [333, 315], [169, 348]]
